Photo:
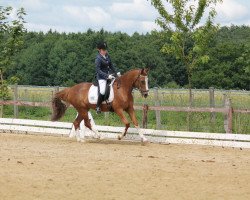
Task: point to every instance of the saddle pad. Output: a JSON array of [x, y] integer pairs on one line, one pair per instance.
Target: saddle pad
[[93, 95]]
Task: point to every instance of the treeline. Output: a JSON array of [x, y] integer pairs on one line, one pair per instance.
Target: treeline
[[65, 59]]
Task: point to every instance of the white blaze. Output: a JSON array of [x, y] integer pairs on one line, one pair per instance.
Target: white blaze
[[146, 80]]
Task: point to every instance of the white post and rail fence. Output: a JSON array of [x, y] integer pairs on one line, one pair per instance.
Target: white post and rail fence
[[8, 125], [162, 136]]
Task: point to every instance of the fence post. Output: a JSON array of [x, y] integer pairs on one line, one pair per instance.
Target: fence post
[[191, 99], [212, 105], [56, 89], [52, 94], [189, 114], [228, 120], [26, 95], [145, 116], [225, 116], [163, 98], [15, 99], [157, 112]]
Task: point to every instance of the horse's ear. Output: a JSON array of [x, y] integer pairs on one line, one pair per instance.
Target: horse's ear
[[145, 70]]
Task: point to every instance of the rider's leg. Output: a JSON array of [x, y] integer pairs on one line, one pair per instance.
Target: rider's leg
[[102, 87]]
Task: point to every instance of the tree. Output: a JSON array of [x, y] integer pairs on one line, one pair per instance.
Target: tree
[[45, 58], [188, 38], [11, 32], [229, 64]]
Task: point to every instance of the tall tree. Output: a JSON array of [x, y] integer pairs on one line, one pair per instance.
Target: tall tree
[[11, 32], [188, 38]]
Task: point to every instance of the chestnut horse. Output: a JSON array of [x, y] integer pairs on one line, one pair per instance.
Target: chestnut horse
[[77, 96]]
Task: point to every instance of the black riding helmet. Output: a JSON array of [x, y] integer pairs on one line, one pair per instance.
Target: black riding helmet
[[102, 45]]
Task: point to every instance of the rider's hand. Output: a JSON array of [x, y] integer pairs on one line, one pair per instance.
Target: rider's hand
[[111, 77], [118, 74]]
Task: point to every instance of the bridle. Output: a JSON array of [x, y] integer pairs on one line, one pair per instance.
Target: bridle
[[140, 87]]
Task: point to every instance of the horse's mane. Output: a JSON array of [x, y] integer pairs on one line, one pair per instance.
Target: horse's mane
[[130, 71]]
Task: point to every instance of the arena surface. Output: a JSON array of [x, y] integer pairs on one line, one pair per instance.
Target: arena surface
[[46, 167]]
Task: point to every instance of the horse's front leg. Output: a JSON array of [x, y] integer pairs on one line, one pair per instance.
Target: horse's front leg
[[125, 121], [132, 115]]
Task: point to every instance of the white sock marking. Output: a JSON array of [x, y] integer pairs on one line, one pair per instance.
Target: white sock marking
[[144, 139]]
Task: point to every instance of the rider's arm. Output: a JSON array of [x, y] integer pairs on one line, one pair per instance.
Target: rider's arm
[[98, 68]]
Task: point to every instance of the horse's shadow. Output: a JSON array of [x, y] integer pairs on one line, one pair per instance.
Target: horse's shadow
[[114, 141]]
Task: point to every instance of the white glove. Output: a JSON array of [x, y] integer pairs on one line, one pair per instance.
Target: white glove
[[118, 74], [111, 77]]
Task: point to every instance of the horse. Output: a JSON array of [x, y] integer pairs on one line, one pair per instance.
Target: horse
[[77, 96]]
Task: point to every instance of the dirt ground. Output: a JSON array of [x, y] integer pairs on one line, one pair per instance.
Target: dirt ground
[[47, 167]]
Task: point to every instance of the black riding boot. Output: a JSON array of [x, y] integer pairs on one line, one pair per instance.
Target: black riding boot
[[99, 101]]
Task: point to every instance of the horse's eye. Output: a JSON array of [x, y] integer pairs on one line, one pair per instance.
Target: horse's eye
[[143, 82]]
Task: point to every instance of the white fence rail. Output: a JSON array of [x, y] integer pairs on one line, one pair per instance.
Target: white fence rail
[[155, 136]]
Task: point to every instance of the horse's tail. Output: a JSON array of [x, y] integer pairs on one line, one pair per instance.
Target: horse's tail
[[59, 104]]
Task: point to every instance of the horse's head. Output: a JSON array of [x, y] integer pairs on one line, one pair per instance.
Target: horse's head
[[142, 82]]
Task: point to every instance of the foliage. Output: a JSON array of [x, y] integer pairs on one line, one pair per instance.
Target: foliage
[[188, 39], [65, 59], [229, 65], [11, 39]]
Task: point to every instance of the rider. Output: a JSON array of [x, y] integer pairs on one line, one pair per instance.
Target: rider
[[104, 71]]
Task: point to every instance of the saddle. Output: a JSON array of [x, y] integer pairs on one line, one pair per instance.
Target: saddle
[[94, 92]]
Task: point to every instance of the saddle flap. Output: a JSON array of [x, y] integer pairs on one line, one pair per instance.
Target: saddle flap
[[93, 94]]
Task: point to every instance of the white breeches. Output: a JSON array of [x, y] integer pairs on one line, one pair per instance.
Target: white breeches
[[102, 85]]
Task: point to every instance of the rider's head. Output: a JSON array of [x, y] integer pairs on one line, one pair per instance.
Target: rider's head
[[102, 47]]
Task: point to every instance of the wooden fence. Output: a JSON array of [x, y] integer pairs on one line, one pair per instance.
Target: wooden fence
[[227, 111]]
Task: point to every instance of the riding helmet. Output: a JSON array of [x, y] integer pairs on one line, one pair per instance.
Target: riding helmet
[[102, 45]]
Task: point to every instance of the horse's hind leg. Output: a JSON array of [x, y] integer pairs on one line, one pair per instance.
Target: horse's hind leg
[[77, 123], [88, 124]]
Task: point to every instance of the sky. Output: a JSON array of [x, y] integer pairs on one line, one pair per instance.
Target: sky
[[113, 15]]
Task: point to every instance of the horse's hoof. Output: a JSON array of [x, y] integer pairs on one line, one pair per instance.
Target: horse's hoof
[[71, 135], [144, 141], [98, 137], [81, 140], [119, 137], [78, 139]]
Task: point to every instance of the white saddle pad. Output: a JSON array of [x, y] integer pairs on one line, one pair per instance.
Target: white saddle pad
[[93, 95]]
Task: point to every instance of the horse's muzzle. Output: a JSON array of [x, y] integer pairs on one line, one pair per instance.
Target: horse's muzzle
[[144, 94]]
